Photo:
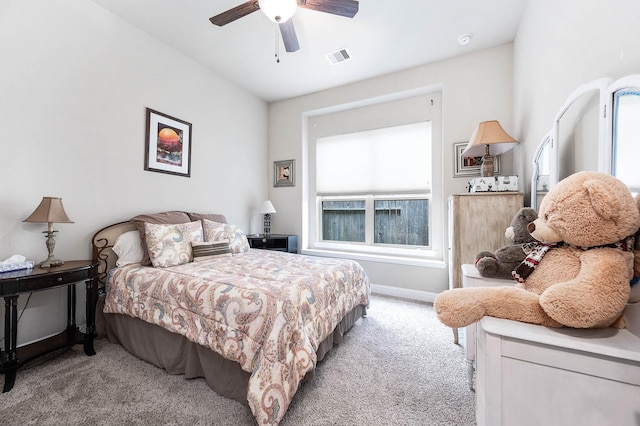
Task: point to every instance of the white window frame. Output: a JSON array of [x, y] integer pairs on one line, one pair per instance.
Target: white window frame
[[429, 108]]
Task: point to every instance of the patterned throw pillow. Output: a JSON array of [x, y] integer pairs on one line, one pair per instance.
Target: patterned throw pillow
[[215, 231], [204, 251], [172, 216], [170, 244]]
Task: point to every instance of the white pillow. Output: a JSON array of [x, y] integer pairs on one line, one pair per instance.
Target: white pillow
[[128, 248]]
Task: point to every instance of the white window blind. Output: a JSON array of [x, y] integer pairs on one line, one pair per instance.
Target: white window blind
[[388, 160]]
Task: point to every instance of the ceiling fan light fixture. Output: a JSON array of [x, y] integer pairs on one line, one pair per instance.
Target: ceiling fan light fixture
[[278, 11]]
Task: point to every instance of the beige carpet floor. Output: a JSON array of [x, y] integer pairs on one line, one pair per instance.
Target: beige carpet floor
[[397, 366]]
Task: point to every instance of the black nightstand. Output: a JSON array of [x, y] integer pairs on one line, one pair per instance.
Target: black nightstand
[[15, 283], [278, 242]]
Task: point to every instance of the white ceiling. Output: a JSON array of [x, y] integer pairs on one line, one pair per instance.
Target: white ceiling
[[385, 36]]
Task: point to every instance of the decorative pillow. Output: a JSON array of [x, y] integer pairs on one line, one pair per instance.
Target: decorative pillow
[[208, 250], [170, 244], [163, 217], [128, 247], [215, 231], [209, 216]]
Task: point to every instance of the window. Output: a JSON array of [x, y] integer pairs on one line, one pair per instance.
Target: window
[[373, 184], [402, 222], [373, 188], [343, 220]]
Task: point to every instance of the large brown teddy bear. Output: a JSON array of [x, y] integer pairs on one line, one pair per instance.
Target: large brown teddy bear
[[580, 277]]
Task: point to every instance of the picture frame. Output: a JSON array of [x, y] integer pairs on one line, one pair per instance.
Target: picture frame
[[470, 166], [167, 145], [284, 173]]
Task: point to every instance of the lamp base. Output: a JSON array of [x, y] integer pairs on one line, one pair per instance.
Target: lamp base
[[267, 225], [487, 169], [51, 261], [51, 243]]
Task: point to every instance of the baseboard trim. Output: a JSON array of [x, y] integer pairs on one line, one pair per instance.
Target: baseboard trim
[[404, 293]]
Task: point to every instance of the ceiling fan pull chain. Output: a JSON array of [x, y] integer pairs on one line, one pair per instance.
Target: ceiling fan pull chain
[[277, 46]]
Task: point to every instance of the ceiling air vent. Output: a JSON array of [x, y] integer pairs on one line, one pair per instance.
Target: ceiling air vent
[[340, 55]]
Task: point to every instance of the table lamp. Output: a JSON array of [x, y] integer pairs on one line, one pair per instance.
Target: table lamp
[[488, 133], [49, 211], [266, 209]]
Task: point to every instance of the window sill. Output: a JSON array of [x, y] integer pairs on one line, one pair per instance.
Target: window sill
[[369, 257]]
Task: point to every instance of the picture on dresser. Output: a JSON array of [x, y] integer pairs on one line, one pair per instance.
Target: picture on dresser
[[469, 166], [167, 146]]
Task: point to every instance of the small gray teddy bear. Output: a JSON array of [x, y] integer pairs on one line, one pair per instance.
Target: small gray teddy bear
[[507, 258]]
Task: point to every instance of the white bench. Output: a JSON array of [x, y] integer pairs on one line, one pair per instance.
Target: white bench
[[533, 375], [472, 278]]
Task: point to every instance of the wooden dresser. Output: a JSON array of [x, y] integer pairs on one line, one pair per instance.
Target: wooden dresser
[[477, 222]]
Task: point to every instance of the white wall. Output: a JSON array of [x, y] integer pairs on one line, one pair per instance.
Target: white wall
[[75, 84], [475, 87], [561, 45]]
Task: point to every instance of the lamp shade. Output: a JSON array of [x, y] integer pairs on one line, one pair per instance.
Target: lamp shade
[[278, 10], [50, 210], [267, 208], [489, 133]]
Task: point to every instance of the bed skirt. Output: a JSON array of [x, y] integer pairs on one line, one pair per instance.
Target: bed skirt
[[178, 355]]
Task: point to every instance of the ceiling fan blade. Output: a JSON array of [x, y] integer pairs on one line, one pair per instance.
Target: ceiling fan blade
[[289, 36], [346, 8], [235, 13]]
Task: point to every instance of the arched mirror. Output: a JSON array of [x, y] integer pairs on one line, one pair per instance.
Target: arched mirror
[[541, 170], [583, 126], [578, 131], [621, 158]]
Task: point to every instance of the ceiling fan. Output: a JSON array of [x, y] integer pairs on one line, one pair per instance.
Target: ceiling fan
[[280, 12]]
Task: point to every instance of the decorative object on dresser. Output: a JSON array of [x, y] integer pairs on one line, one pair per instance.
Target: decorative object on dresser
[[477, 222], [167, 147], [494, 184], [267, 209], [15, 283], [278, 242], [49, 211], [488, 133]]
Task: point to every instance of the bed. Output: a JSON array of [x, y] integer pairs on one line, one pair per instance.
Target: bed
[[254, 323]]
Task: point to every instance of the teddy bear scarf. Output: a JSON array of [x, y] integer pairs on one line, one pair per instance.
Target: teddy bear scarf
[[534, 255], [537, 250]]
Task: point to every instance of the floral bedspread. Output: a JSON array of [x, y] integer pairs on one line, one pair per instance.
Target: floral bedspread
[[266, 310]]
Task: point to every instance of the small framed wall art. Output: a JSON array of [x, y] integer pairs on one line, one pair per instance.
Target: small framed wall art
[[167, 146], [284, 173], [470, 166]]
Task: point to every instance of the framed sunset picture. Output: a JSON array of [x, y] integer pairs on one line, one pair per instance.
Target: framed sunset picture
[[167, 144]]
